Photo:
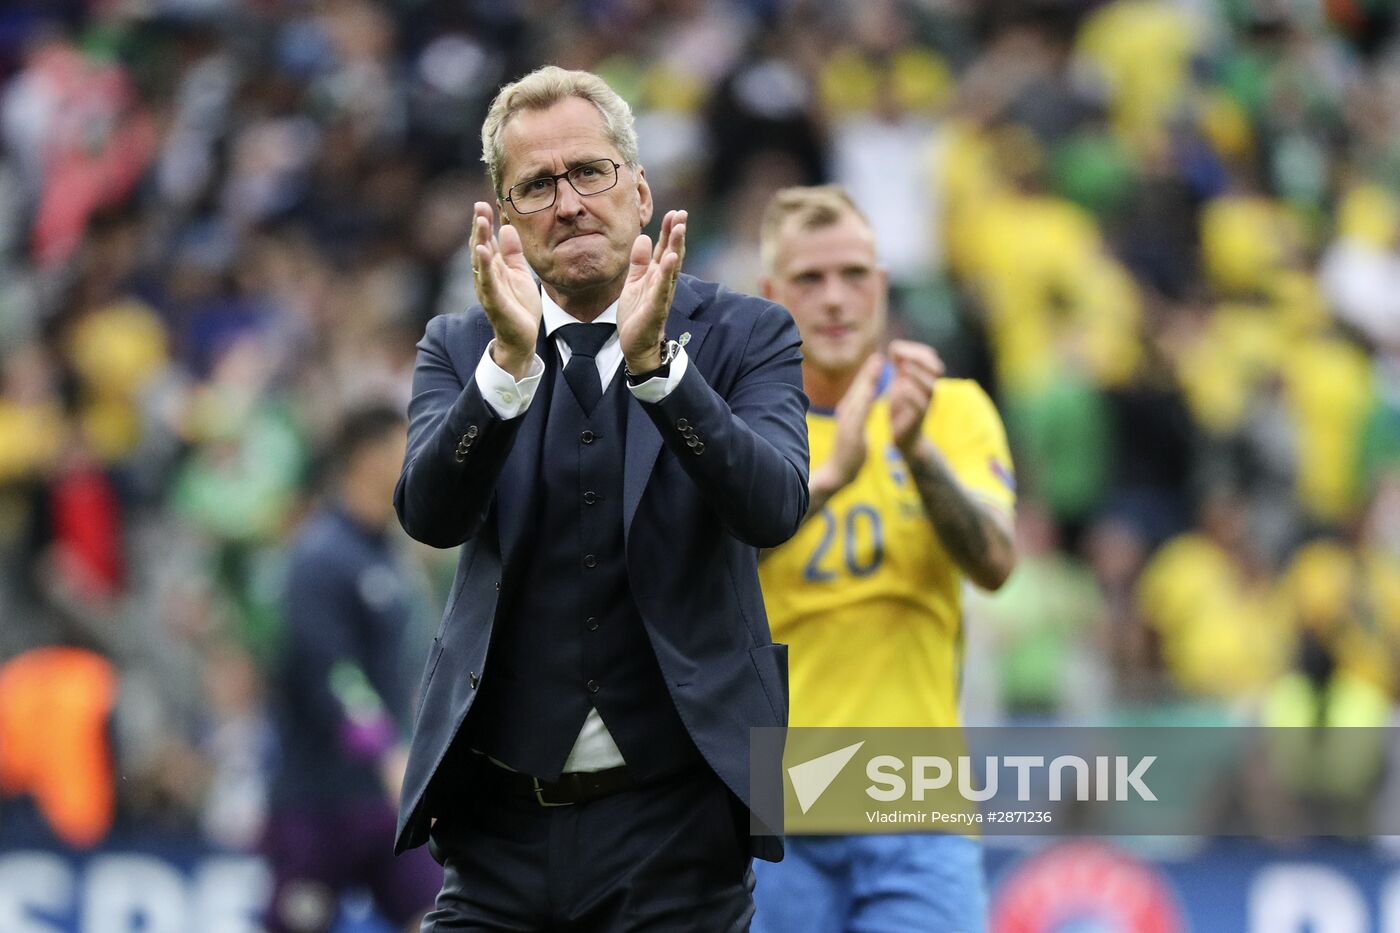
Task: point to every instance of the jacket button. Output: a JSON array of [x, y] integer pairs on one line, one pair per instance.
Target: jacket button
[[592, 686], [587, 437], [472, 678], [699, 448], [682, 424], [498, 586], [590, 497], [590, 561], [472, 431], [592, 624]]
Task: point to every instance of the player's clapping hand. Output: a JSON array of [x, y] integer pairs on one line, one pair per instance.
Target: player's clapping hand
[[852, 412], [916, 370], [647, 293], [507, 291]]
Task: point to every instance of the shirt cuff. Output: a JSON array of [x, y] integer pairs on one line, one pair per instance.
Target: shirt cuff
[[658, 387], [507, 397]]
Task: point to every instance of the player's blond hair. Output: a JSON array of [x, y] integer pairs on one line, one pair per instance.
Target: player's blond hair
[[810, 207], [542, 89]]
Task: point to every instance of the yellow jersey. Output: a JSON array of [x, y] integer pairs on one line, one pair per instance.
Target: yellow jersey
[[864, 594]]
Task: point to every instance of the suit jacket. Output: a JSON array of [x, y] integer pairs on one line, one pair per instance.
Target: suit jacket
[[713, 472]]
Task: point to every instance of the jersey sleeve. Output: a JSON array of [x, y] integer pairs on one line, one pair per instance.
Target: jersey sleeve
[[966, 428]]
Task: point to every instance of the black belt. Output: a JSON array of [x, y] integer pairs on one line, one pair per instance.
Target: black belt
[[572, 787]]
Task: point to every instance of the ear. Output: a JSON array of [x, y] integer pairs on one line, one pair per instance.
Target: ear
[[765, 287], [644, 202], [501, 212]]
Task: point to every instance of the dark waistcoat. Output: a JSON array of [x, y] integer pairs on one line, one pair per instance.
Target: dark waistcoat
[[567, 635]]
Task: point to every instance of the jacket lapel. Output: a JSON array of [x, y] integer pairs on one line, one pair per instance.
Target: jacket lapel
[[517, 484], [643, 440]]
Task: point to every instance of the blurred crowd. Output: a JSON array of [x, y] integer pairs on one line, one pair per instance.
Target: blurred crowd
[[1162, 233]]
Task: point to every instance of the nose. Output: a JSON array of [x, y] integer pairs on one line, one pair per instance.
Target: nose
[[567, 202], [833, 293]]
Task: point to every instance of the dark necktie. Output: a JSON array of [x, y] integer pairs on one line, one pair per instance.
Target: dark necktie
[[585, 340]]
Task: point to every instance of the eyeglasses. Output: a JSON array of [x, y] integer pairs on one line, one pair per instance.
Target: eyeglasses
[[587, 179]]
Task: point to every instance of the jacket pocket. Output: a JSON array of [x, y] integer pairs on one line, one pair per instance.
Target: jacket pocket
[[771, 662]]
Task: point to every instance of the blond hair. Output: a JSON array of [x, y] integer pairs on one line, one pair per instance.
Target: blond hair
[[811, 208], [542, 89]]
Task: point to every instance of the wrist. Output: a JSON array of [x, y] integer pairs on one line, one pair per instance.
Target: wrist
[[826, 481], [645, 362], [514, 362], [917, 450], [655, 362]]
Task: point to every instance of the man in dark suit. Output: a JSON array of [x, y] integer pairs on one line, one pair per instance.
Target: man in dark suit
[[611, 445]]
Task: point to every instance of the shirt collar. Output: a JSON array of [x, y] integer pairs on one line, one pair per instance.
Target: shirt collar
[[556, 317]]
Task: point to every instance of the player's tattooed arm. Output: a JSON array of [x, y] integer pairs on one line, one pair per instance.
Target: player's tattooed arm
[[976, 535]]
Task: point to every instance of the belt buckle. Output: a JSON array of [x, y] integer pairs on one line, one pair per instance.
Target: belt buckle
[[539, 796]]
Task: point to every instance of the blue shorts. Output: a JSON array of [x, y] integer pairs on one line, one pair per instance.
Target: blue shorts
[[873, 884]]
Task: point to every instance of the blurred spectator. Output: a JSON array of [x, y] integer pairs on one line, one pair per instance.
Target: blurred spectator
[[80, 137], [341, 702], [1360, 273], [1208, 598], [881, 94], [1045, 623], [55, 709]]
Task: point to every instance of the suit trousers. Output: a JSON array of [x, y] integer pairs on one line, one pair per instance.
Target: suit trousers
[[669, 855]]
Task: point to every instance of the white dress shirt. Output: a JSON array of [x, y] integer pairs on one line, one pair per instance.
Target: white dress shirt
[[594, 749]]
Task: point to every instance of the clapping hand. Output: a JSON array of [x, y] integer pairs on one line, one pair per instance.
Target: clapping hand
[[507, 290], [917, 368], [849, 450], [646, 295]]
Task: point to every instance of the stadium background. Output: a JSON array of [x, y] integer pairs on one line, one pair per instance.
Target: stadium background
[[1162, 233]]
